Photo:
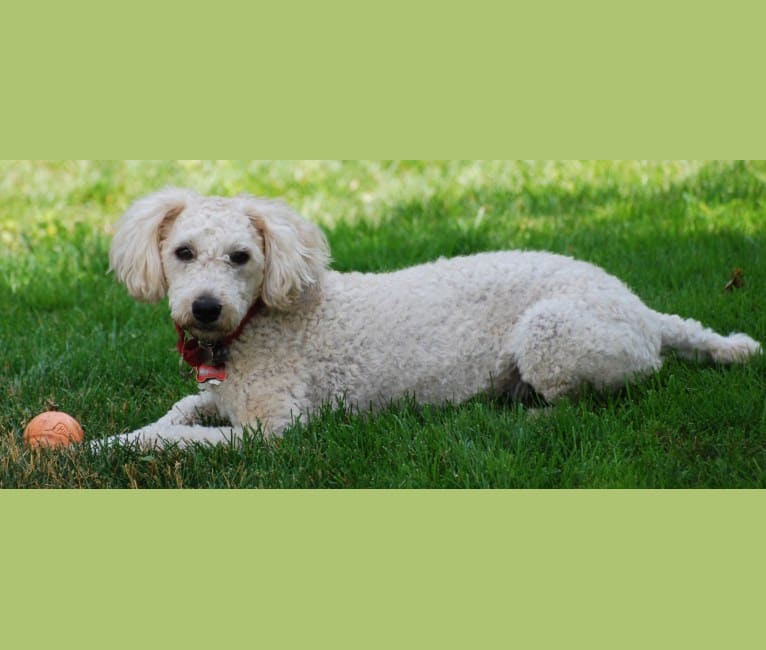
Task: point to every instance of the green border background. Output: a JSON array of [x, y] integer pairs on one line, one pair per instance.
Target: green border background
[[404, 78], [548, 79], [386, 569]]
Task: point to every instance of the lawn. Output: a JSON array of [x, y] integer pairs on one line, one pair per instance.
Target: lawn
[[674, 231]]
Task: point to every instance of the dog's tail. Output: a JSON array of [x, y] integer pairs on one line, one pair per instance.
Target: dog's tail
[[691, 339]]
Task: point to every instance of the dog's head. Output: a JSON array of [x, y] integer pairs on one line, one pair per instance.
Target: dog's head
[[214, 257]]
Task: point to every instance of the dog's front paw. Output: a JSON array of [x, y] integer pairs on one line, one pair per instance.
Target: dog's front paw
[[145, 438], [187, 412]]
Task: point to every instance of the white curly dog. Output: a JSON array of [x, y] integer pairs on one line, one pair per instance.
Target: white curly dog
[[274, 334]]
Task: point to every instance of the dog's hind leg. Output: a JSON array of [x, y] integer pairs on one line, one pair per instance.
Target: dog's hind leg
[[559, 345]]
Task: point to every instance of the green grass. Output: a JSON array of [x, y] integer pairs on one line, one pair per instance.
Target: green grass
[[672, 231]]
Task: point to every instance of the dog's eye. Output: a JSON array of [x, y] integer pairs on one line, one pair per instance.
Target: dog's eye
[[185, 254], [239, 258]]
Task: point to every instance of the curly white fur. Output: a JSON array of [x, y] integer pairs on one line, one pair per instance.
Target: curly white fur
[[507, 322]]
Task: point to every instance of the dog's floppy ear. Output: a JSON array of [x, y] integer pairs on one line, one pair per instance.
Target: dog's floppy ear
[[296, 251], [135, 253]]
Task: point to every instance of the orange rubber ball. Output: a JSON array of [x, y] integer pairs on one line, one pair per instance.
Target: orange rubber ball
[[53, 429]]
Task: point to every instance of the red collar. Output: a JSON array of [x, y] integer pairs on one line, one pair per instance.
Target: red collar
[[209, 360]]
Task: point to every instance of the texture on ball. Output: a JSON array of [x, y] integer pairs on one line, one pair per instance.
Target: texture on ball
[[53, 429]]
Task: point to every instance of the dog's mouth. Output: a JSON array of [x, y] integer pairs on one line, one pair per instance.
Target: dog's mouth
[[210, 332], [207, 332]]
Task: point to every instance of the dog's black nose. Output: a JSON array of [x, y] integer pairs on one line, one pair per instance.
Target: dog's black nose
[[206, 309]]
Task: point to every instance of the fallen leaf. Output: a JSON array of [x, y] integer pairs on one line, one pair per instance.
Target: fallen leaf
[[737, 281]]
